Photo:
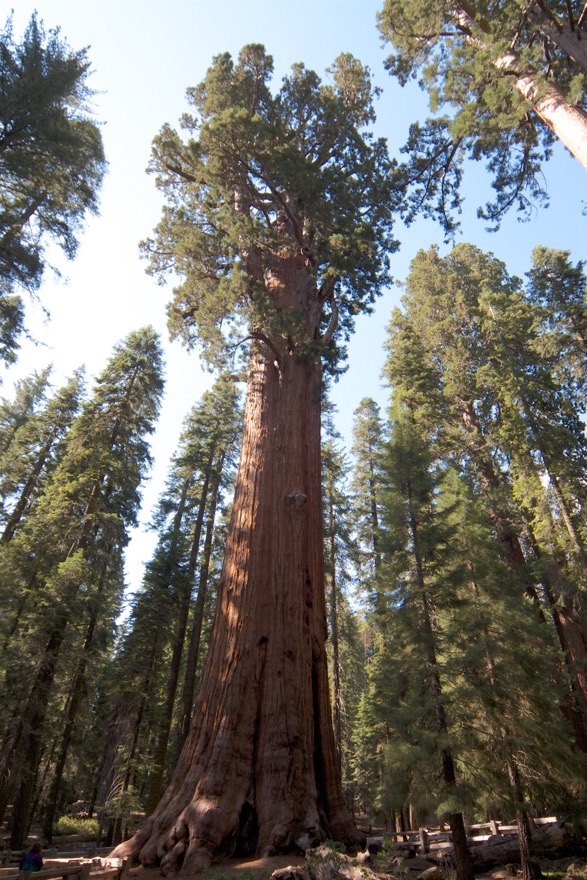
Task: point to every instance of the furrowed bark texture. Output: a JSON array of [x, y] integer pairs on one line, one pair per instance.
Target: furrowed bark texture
[[259, 769]]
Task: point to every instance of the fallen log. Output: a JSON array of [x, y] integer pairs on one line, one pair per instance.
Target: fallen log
[[556, 838]]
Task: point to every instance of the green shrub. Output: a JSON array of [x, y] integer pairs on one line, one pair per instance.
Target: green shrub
[[73, 825]]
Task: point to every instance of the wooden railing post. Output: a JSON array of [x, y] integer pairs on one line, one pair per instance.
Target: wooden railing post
[[424, 841]]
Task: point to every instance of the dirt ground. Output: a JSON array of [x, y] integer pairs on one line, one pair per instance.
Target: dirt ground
[[232, 869]]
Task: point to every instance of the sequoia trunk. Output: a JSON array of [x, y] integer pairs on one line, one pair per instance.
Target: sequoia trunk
[[259, 770]]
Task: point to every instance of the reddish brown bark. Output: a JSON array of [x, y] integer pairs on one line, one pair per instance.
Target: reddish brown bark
[[259, 769]]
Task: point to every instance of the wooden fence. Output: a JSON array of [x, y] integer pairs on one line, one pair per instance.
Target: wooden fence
[[74, 869], [423, 840]]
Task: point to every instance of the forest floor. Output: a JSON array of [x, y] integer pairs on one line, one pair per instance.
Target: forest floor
[[231, 869], [261, 869]]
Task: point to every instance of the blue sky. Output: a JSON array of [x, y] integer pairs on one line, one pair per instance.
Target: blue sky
[[144, 55]]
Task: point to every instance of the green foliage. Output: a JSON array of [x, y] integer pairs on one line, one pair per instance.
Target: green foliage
[[366, 486], [558, 291], [74, 825], [11, 326], [34, 452], [65, 564], [257, 177], [457, 52], [51, 154], [346, 651], [472, 498]]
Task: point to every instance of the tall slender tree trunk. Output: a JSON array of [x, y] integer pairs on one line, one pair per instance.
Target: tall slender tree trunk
[[27, 490], [573, 647], [336, 689], [115, 829], [159, 758], [77, 694], [530, 866], [568, 624], [508, 537], [456, 821], [187, 698], [259, 769], [28, 746]]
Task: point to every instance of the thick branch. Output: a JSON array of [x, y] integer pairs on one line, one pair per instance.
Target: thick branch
[[326, 294], [571, 41], [567, 122]]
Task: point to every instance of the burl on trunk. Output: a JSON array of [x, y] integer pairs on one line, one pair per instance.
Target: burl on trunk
[[259, 769]]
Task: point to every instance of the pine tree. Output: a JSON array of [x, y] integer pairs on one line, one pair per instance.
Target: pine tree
[[510, 416], [29, 394], [346, 651], [34, 453], [71, 548], [558, 292], [366, 450], [51, 154], [11, 323], [27, 466], [467, 358], [416, 568], [503, 680], [489, 700]]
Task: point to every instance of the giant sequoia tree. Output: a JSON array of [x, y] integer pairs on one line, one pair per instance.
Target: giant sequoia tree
[[509, 79], [277, 219]]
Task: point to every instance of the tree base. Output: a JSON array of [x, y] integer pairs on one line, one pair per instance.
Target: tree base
[[179, 855]]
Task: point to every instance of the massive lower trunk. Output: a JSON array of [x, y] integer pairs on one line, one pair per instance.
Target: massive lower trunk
[[258, 770]]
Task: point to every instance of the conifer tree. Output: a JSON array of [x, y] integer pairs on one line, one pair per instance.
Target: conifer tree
[[34, 453], [559, 291], [500, 411], [509, 88], [417, 568], [27, 466], [51, 154], [366, 449], [277, 220], [11, 324], [346, 660], [496, 689], [71, 548], [29, 395]]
